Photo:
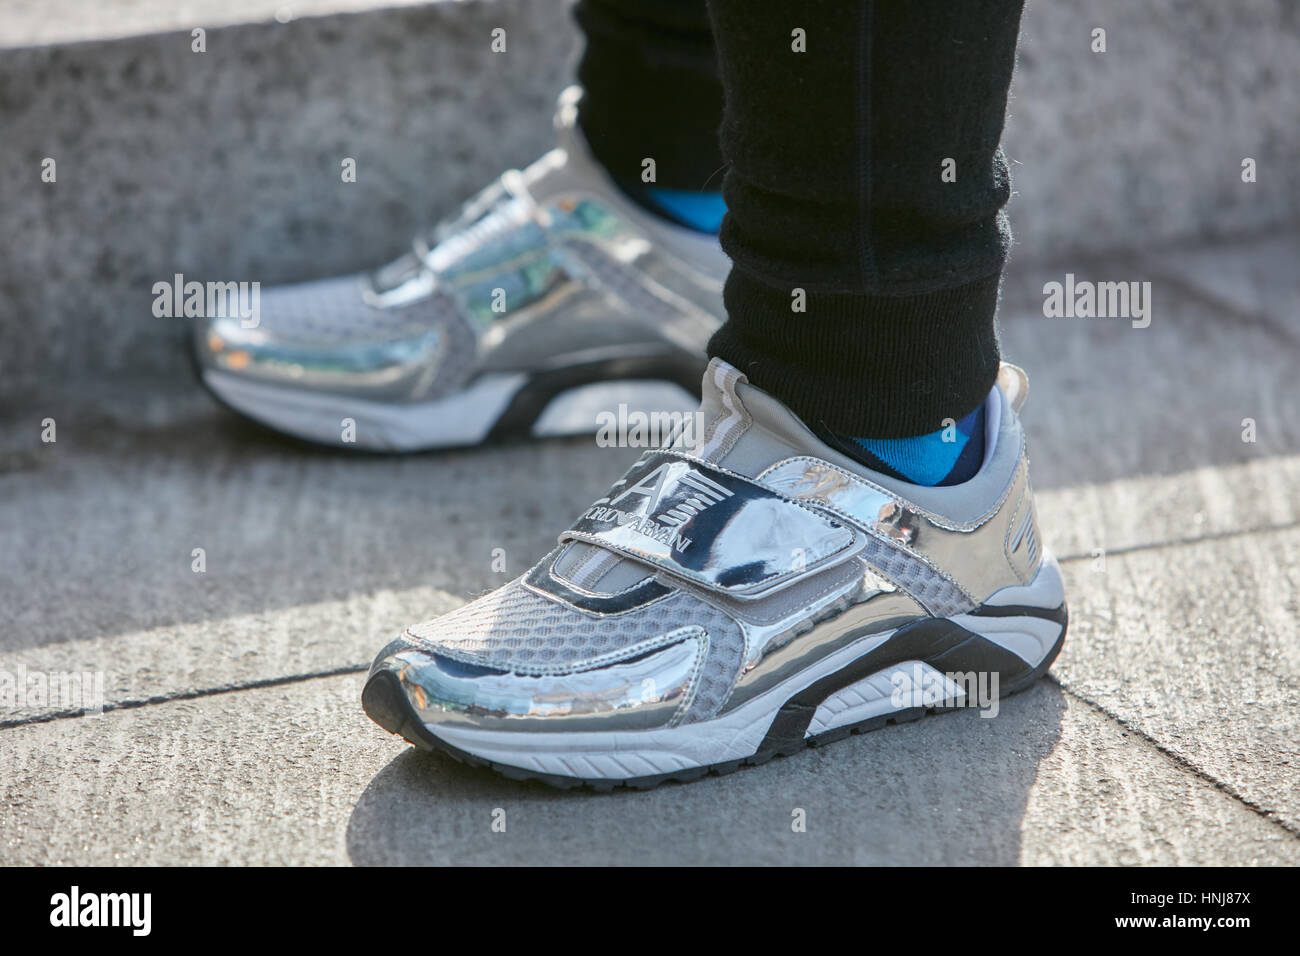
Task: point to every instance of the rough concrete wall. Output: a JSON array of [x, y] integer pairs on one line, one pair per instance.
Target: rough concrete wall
[[226, 165]]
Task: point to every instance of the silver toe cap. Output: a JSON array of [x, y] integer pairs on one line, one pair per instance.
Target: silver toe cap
[[325, 336], [643, 692]]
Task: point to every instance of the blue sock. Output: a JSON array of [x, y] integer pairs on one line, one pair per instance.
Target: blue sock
[[928, 459], [692, 208], [696, 210]]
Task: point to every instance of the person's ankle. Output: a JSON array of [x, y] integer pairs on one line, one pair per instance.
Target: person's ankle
[[948, 456], [695, 209]]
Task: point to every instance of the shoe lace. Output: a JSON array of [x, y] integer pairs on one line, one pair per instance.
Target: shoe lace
[[502, 205]]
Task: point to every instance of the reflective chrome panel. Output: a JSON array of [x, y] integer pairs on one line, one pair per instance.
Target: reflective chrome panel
[[637, 694], [968, 554], [712, 527], [810, 479], [869, 605], [393, 367]]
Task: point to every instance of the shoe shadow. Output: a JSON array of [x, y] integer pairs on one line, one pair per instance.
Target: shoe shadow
[[946, 789]]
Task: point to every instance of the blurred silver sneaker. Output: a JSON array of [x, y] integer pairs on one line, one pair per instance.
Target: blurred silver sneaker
[[744, 591], [550, 298]]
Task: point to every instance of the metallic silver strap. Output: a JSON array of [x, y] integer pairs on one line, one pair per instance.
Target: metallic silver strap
[[713, 527]]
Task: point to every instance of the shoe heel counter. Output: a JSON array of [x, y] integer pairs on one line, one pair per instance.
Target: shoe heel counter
[[1022, 544]]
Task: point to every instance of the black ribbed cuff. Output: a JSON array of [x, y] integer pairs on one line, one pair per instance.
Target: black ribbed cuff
[[865, 366], [650, 83]]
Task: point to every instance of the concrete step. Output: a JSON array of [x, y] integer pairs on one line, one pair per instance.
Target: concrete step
[[225, 165]]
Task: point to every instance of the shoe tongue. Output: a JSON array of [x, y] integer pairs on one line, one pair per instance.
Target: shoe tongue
[[722, 419], [744, 429]]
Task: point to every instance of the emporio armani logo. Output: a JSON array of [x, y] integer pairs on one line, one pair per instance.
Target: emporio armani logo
[[686, 494], [661, 502]]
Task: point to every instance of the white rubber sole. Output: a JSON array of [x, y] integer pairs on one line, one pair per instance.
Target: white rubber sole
[[579, 410], [465, 418]]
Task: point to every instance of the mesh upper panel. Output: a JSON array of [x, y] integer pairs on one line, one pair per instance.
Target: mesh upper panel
[[514, 628], [936, 592], [332, 312], [721, 665]]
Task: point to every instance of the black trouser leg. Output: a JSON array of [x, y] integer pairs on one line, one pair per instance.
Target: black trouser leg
[[836, 187], [650, 76]]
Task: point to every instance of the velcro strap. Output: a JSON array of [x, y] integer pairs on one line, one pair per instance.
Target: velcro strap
[[713, 527]]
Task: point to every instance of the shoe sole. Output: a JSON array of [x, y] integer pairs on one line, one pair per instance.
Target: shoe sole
[[494, 407], [847, 693]]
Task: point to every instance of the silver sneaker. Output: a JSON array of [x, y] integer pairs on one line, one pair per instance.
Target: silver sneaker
[[550, 298], [743, 592]]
